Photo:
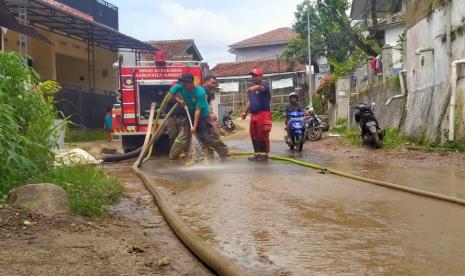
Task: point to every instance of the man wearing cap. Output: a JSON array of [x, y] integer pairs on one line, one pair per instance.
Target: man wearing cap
[[260, 121], [194, 97]]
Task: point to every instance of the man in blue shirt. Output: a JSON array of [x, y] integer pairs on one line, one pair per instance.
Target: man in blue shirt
[[194, 97]]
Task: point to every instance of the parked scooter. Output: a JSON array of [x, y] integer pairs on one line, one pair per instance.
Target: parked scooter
[[370, 131], [228, 124], [297, 130], [313, 129]]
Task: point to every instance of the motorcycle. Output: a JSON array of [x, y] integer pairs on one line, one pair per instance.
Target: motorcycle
[[370, 131], [313, 126], [228, 124], [297, 130]]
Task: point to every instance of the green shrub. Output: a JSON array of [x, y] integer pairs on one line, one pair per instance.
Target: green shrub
[[278, 113], [88, 187], [26, 120]]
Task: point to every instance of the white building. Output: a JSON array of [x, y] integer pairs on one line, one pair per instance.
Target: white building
[[264, 46]]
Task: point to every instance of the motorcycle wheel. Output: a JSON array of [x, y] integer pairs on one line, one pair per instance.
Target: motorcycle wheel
[[314, 134], [300, 142], [376, 141]]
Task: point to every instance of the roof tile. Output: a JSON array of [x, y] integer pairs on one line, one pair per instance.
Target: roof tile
[[174, 49], [270, 66], [278, 36]]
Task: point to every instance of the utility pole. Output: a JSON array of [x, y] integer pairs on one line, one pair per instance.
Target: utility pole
[[310, 86]]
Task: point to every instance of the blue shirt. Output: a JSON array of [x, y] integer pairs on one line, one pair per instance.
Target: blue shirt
[[193, 99], [260, 101], [108, 121]]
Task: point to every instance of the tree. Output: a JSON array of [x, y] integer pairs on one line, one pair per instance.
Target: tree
[[333, 34]]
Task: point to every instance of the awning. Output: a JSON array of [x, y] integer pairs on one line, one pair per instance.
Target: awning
[[8, 21], [361, 8], [48, 17]]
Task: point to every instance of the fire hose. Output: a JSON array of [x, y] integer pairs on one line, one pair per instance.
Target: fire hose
[[410, 190], [208, 255]]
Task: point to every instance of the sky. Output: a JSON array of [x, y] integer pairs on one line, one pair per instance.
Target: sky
[[213, 24]]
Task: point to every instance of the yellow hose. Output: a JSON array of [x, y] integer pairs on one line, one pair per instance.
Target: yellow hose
[[156, 122], [208, 255], [432, 195]]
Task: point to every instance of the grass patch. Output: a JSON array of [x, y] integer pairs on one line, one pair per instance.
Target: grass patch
[[392, 139], [85, 135], [340, 126], [449, 146], [88, 187], [353, 137]]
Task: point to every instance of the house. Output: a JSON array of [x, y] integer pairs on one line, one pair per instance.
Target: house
[[74, 43], [264, 46], [387, 25], [261, 51], [176, 50], [234, 79]]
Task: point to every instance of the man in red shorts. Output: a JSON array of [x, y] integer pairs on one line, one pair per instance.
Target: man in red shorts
[[260, 121]]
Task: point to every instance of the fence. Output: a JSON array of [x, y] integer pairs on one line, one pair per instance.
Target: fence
[[83, 108], [234, 93]]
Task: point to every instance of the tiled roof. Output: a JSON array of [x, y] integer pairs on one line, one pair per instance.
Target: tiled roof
[[275, 37], [179, 50], [270, 66]]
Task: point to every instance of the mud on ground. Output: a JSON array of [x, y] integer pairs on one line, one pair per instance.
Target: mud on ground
[[134, 240]]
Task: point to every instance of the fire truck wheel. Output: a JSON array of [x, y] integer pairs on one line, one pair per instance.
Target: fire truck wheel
[[132, 142]]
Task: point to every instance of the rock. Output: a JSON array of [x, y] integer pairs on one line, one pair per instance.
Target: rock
[[135, 249], [163, 261], [27, 223], [109, 151], [45, 199]]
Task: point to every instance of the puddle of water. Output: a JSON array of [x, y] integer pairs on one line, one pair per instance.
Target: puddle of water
[[449, 181], [278, 218]]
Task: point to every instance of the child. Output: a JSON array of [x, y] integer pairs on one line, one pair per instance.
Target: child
[[109, 125]]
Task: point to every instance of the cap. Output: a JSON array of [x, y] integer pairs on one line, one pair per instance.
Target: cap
[[186, 78], [257, 72]]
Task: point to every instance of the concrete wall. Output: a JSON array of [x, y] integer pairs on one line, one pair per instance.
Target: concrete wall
[[44, 57], [76, 74], [388, 116], [255, 53], [428, 73], [342, 98]]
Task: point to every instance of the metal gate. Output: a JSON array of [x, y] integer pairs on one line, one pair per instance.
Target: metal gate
[[84, 109]]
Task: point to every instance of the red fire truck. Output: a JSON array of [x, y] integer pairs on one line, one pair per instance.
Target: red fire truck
[[140, 86]]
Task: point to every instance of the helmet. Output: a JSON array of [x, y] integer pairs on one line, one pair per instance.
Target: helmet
[[309, 109], [293, 94]]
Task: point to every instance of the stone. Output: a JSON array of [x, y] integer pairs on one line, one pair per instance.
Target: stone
[[109, 151], [163, 261], [45, 199]]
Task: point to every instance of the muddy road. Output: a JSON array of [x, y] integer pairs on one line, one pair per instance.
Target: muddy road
[[134, 240], [282, 219]]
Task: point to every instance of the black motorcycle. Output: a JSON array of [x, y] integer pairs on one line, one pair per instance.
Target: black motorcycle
[[228, 124], [371, 133], [313, 126]]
